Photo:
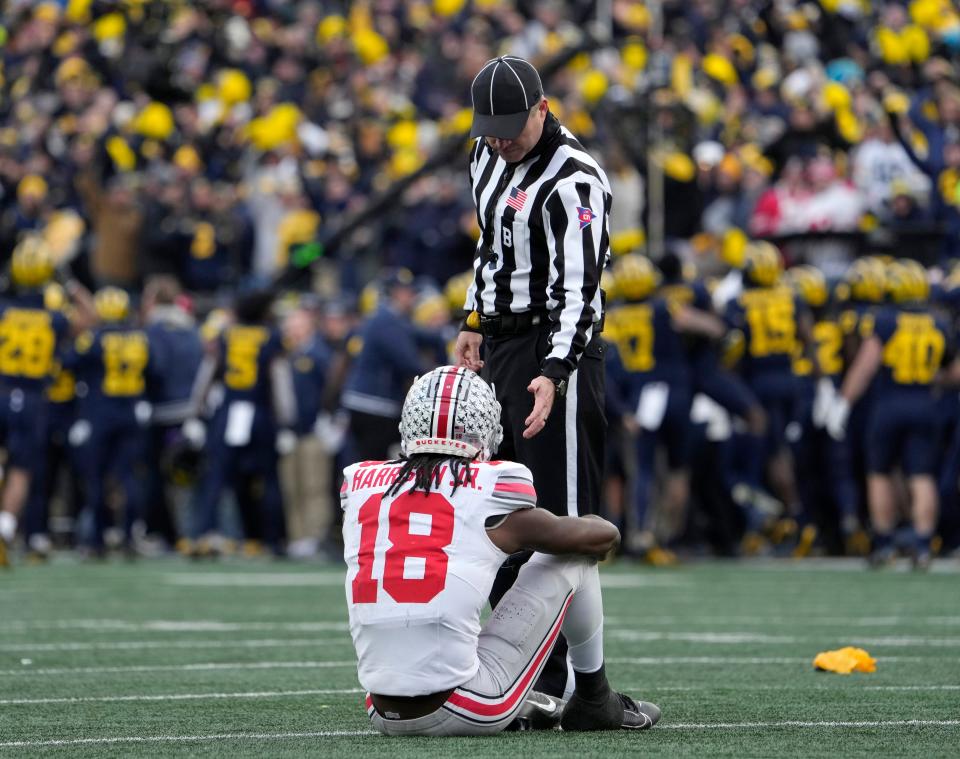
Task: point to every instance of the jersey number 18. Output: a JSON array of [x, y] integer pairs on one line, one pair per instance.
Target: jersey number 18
[[412, 543]]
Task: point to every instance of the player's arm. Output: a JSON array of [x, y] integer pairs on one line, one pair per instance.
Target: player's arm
[[539, 530], [284, 396], [693, 321], [855, 384], [805, 323], [206, 373], [84, 311], [862, 370], [949, 375]]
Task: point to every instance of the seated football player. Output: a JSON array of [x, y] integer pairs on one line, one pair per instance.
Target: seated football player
[[424, 537]]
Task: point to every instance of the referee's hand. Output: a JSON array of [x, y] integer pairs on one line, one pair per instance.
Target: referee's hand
[[544, 392], [467, 352]]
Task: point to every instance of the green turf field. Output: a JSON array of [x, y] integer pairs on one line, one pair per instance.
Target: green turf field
[[170, 658]]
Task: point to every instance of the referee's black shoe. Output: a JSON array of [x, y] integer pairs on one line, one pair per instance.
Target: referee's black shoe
[[617, 712]]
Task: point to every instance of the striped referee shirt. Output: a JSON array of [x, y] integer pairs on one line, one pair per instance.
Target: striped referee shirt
[[544, 239]]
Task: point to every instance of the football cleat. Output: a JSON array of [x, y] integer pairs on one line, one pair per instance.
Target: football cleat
[[921, 561], [808, 536], [782, 530], [253, 548], [857, 543], [754, 544], [4, 554], [882, 557], [657, 556], [540, 711], [618, 712]]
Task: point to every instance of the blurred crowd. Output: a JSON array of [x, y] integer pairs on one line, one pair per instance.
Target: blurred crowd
[[211, 141], [207, 146]]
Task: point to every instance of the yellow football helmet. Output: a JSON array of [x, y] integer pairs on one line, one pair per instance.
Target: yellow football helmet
[[906, 281], [456, 290], [809, 283], [866, 278], [431, 310], [636, 276], [608, 283], [369, 299], [918, 275], [763, 264], [112, 304], [31, 265]]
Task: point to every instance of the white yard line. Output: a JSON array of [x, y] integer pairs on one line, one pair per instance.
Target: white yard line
[[738, 638], [805, 620], [316, 579], [703, 637], [740, 687], [948, 566], [170, 625], [137, 645], [346, 664], [615, 621], [254, 579], [801, 723], [179, 696], [912, 687], [196, 667], [184, 738], [365, 733]]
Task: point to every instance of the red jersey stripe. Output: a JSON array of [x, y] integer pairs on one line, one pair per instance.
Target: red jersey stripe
[[511, 698], [515, 487]]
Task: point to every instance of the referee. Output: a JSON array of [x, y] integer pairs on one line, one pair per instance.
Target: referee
[[535, 302]]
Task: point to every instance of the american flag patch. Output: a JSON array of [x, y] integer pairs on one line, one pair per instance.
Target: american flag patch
[[517, 198]]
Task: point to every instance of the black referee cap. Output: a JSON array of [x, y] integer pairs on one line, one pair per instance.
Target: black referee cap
[[503, 93]]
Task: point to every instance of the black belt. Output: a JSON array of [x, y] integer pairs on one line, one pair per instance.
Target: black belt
[[511, 324]]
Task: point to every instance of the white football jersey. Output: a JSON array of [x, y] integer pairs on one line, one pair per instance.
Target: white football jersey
[[419, 569]]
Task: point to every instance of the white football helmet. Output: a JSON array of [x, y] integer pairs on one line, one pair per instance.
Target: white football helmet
[[451, 411]]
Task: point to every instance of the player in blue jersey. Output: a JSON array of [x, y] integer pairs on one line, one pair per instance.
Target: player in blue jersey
[[774, 325], [59, 456], [904, 353], [742, 481], [114, 363], [258, 406], [946, 296], [31, 338], [861, 294], [819, 377], [656, 385]]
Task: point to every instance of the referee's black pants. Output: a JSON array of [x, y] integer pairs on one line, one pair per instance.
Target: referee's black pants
[[566, 458], [372, 436]]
